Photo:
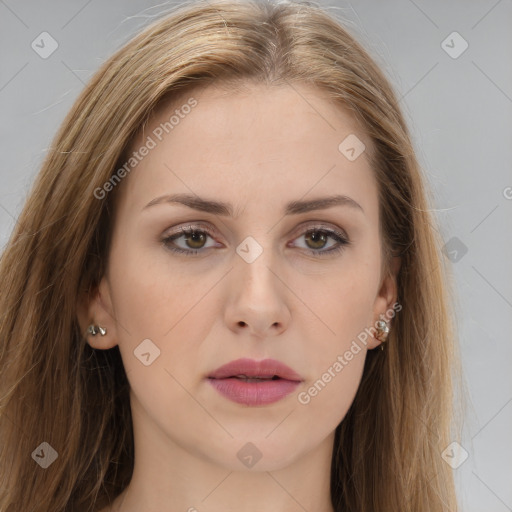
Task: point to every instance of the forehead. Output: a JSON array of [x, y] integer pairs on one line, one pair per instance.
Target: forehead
[[257, 142]]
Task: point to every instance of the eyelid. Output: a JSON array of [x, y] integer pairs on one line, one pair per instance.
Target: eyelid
[[189, 227], [319, 226]]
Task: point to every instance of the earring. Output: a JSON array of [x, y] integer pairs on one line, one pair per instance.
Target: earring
[[95, 329], [382, 332]]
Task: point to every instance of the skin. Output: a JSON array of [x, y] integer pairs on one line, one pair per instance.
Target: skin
[[257, 149]]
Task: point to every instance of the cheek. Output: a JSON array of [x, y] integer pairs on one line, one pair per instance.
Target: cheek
[[329, 395], [344, 316], [334, 352], [343, 301], [151, 295], [153, 300], [174, 312], [343, 307]]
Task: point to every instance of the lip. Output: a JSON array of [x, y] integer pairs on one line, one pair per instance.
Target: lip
[[264, 392], [252, 368]]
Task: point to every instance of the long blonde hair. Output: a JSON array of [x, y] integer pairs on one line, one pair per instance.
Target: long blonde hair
[[55, 388]]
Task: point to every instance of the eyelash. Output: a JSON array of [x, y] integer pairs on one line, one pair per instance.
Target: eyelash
[[189, 230]]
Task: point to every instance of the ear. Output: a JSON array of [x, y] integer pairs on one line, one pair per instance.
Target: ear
[[95, 307], [386, 298]]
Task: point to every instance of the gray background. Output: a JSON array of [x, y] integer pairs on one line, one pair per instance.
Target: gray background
[[459, 111]]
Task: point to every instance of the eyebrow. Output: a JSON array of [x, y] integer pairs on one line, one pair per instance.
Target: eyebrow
[[226, 209]]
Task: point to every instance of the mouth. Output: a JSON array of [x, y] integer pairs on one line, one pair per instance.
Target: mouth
[[248, 378], [247, 369], [245, 378], [254, 383]]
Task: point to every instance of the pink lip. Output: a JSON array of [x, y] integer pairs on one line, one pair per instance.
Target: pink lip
[[254, 393]]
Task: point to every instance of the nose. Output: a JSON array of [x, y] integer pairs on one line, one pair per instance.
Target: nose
[[258, 298]]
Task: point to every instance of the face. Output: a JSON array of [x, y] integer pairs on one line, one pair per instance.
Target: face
[[260, 278]]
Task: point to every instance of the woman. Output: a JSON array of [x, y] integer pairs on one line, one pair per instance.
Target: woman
[[225, 290]]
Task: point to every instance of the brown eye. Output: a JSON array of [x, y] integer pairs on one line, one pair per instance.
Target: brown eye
[[194, 241], [316, 240]]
